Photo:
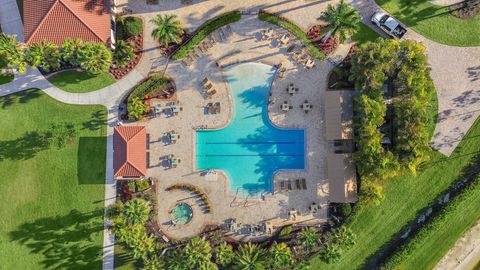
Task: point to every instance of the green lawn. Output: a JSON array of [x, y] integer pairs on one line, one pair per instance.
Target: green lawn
[[52, 212], [80, 82], [434, 22], [123, 260], [364, 35], [404, 197]]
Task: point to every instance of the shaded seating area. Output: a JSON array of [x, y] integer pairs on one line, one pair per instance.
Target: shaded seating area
[[342, 178], [339, 115], [129, 152]]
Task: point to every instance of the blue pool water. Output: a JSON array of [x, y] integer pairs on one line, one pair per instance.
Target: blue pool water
[[250, 149]]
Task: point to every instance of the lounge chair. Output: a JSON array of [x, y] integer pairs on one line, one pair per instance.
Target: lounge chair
[[205, 80], [297, 184], [304, 183], [208, 86], [211, 93]]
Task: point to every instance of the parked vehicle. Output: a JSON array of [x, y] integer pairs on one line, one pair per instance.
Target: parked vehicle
[[388, 24]]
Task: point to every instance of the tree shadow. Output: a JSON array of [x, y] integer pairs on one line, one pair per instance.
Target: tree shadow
[[25, 147], [425, 215], [97, 121], [65, 241], [19, 97], [91, 158]]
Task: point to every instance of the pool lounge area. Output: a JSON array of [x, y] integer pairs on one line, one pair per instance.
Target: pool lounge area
[[250, 149]]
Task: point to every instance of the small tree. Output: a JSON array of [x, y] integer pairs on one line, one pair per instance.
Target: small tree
[[136, 211], [308, 238], [123, 53], [12, 53], [136, 108], [45, 55], [249, 256], [331, 253], [342, 20], [224, 254], [70, 49], [167, 29], [133, 26], [198, 253], [280, 257], [94, 57]]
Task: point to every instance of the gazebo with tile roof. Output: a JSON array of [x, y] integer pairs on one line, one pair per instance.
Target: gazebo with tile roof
[[130, 152], [57, 20]]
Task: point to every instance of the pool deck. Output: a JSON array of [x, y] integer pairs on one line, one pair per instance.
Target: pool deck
[[245, 42]]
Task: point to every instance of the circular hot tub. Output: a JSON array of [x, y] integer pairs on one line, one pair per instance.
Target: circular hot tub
[[181, 213]]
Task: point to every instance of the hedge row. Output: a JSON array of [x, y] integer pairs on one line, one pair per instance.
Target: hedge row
[[152, 84], [203, 31], [295, 30], [195, 189], [436, 226]]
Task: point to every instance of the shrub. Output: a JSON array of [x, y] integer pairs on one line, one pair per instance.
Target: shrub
[[94, 57], [331, 253], [131, 185], [123, 53], [224, 254], [152, 84], [44, 55], [296, 31], [345, 209], [136, 109], [285, 230], [70, 49], [133, 26], [142, 185], [204, 30], [194, 189]]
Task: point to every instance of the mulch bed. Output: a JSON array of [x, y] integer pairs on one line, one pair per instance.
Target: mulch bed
[[118, 72], [465, 9], [315, 33]]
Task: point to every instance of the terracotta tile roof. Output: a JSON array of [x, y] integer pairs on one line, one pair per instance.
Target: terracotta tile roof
[[56, 20], [129, 151]]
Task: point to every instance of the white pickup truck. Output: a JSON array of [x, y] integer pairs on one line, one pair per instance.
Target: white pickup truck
[[388, 24]]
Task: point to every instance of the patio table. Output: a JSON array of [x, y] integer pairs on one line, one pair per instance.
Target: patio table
[[285, 107]]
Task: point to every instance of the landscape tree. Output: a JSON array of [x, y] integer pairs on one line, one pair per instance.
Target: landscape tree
[[12, 53], [224, 254], [44, 55], [136, 108], [308, 239], [94, 57], [249, 257], [342, 20], [136, 211], [70, 49], [168, 29], [135, 237], [123, 53], [198, 253], [280, 257]]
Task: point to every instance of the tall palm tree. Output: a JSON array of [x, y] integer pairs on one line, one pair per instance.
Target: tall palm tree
[[249, 257], [168, 29], [342, 20], [136, 211]]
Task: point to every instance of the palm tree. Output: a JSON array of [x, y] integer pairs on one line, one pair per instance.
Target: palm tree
[[249, 257], [308, 238], [123, 53], [342, 20], [136, 211], [198, 252], [224, 254], [280, 257], [168, 29]]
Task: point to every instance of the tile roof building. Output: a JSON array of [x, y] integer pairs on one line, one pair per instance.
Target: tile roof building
[[129, 152], [57, 20]]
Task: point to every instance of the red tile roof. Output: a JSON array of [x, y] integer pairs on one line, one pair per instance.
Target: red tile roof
[[56, 20], [130, 151]]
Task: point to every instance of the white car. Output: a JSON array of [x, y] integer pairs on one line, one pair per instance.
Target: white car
[[388, 24]]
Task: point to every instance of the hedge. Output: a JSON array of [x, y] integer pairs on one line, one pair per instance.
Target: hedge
[[194, 189], [296, 31], [203, 31], [152, 84], [436, 225]]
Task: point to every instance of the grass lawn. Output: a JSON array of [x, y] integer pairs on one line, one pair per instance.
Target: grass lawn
[[404, 197], [80, 82], [123, 260], [52, 213], [364, 35], [434, 22]]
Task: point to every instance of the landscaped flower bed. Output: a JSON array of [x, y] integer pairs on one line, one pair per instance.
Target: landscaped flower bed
[[203, 31], [295, 30], [316, 34]]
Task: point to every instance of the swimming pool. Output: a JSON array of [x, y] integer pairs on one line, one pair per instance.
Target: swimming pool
[[250, 149]]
